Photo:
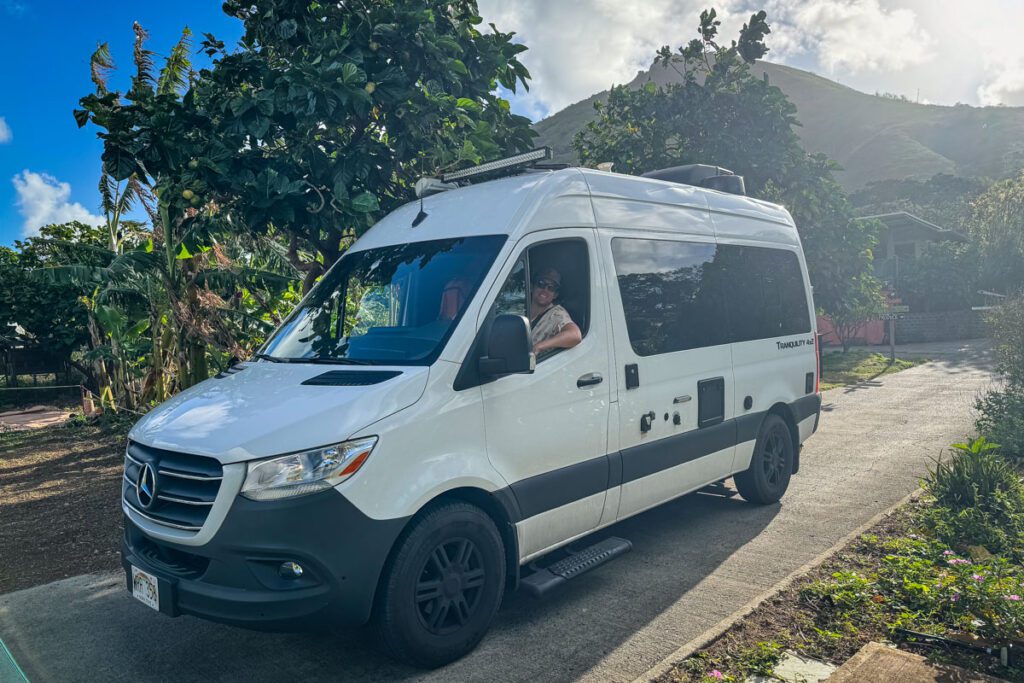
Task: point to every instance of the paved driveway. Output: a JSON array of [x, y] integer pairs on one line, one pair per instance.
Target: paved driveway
[[695, 561]]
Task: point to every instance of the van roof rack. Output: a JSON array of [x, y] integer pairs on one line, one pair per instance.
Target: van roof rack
[[513, 162], [701, 175], [427, 185]]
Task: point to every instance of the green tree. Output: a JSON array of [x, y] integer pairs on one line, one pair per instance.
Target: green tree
[[943, 199], [53, 314], [720, 113], [996, 225], [319, 121]]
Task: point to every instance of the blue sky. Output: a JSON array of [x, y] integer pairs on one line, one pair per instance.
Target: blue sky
[[48, 45], [937, 51]]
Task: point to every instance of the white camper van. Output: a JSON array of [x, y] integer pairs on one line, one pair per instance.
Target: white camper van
[[406, 448]]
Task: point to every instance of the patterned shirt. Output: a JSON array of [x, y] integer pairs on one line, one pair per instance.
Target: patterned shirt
[[549, 323]]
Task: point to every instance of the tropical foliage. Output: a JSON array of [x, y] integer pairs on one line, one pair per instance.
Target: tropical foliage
[[318, 122], [256, 174]]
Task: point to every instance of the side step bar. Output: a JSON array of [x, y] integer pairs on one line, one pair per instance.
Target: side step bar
[[545, 580]]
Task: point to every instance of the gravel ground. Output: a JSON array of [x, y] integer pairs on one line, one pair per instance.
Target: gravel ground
[[70, 474]]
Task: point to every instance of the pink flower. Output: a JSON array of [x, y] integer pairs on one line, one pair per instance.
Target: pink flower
[[957, 560], [1015, 598], [715, 673], [954, 597], [977, 577], [947, 553]]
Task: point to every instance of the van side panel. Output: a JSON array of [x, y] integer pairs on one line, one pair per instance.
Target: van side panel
[[666, 448]]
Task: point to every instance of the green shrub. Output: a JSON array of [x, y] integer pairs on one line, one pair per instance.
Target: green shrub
[[979, 500], [1001, 418], [973, 477]]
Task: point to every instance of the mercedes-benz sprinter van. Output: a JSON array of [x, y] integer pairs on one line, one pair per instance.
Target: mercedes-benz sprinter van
[[403, 446]]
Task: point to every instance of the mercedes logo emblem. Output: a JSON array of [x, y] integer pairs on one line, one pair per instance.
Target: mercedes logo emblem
[[145, 486]]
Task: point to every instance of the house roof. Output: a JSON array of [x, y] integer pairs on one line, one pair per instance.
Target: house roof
[[906, 226]]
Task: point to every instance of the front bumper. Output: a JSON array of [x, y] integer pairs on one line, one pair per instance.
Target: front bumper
[[234, 579]]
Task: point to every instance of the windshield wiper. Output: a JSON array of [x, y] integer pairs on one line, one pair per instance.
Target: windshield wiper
[[332, 361], [272, 359]]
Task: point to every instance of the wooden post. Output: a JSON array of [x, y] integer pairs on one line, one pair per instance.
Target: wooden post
[[892, 340]]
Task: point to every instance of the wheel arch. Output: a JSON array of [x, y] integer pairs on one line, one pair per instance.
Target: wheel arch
[[499, 505]]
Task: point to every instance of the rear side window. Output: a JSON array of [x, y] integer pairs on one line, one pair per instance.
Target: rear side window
[[766, 293], [669, 294], [686, 295]]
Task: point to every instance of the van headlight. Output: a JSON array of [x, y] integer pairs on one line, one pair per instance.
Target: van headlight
[[310, 471]]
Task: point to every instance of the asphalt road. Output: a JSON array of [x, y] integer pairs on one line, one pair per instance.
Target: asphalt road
[[694, 562]]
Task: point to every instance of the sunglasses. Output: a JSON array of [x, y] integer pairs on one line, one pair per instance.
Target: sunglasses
[[550, 285]]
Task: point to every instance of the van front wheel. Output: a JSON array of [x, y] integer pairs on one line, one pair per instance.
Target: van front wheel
[[443, 586], [771, 466]]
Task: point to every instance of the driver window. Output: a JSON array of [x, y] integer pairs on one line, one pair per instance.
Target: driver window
[[559, 315]]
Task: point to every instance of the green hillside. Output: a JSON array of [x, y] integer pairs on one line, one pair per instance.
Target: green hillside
[[873, 138]]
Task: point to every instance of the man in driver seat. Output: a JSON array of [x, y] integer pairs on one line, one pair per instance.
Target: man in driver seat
[[551, 325]]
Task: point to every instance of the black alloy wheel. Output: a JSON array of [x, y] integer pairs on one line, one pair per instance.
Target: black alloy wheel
[[771, 466], [442, 585], [774, 459], [450, 586]]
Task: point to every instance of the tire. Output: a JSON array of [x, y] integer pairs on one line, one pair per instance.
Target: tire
[[442, 587], [771, 466]]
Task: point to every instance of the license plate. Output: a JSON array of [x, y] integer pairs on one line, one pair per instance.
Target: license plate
[[145, 588]]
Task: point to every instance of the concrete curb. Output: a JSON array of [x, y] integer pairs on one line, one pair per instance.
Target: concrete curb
[[705, 638]]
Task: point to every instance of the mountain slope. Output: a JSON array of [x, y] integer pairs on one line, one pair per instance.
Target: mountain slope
[[872, 138]]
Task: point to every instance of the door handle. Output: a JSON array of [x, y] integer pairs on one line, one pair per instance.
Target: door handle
[[589, 380]]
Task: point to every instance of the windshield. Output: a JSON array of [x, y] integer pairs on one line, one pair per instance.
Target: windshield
[[394, 305]]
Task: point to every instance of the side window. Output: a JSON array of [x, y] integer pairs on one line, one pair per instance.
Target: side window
[[561, 266], [670, 294], [687, 295]]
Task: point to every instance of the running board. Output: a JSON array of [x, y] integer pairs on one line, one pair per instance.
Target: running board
[[547, 579]]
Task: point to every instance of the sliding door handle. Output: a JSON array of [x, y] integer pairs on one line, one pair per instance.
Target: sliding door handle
[[589, 380]]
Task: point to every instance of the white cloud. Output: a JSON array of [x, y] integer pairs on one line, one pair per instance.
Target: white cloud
[[1007, 87], [5, 131], [1002, 55], [42, 199], [848, 35], [582, 47]]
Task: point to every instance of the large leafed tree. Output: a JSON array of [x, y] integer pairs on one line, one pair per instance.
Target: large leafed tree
[[321, 119]]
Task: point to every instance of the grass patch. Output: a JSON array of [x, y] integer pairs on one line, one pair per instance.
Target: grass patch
[[843, 369]]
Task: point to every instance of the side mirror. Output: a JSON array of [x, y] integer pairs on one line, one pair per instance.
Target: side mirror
[[508, 349]]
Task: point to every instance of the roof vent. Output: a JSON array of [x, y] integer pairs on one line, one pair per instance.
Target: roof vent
[[701, 175]]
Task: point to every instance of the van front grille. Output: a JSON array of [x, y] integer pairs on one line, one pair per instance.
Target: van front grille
[[179, 490]]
